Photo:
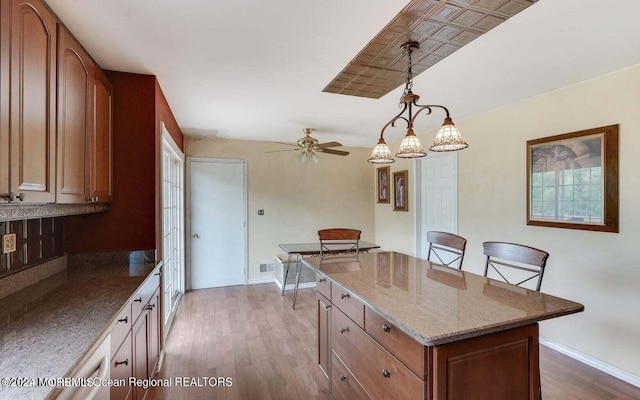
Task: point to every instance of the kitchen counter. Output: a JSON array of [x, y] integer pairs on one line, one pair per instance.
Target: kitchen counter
[[48, 327], [435, 304]]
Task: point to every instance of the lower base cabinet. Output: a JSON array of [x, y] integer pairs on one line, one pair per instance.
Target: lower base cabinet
[[140, 342], [370, 358], [121, 369]]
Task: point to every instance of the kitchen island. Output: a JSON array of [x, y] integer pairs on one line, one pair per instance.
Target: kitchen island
[[395, 326]]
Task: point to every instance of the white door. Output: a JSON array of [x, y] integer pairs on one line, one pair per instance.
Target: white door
[[217, 190], [438, 196]]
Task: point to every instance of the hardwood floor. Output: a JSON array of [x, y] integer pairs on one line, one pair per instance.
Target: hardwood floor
[[251, 335]]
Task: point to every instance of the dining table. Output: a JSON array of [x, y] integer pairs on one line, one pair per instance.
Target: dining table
[[312, 249]]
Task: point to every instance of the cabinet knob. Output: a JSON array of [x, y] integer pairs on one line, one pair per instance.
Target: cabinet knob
[[195, 235], [386, 373], [22, 197], [138, 300], [343, 378], [386, 327], [125, 320], [9, 197], [343, 330], [343, 295], [125, 362]]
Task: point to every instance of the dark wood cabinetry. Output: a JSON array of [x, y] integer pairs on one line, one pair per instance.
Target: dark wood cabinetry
[[100, 139], [75, 72], [32, 77], [122, 368]]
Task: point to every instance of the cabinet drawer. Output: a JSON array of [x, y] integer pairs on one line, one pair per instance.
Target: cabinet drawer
[[122, 368], [143, 295], [323, 285], [348, 304], [398, 343], [121, 327], [384, 376], [344, 385]]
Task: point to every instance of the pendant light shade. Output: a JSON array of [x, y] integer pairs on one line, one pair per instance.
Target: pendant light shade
[[448, 138], [381, 154], [410, 147]]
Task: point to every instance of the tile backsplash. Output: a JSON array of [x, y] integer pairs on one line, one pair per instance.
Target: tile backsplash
[[37, 240]]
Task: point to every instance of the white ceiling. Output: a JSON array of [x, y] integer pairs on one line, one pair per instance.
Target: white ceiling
[[255, 69]]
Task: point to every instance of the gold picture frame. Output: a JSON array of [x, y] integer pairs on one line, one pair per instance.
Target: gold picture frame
[[383, 185], [400, 191]]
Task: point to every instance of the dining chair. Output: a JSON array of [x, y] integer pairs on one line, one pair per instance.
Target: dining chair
[[332, 241], [503, 255], [339, 241], [444, 245]]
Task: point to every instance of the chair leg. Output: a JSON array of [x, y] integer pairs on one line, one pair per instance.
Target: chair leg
[[295, 289]]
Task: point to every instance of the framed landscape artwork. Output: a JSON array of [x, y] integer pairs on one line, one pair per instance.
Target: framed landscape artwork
[[572, 180], [400, 191], [383, 185]]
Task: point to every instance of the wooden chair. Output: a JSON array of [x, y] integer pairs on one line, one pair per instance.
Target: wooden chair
[[442, 244], [510, 255], [339, 241]]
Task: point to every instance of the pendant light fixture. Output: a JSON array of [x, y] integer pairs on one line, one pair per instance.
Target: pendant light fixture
[[447, 139]]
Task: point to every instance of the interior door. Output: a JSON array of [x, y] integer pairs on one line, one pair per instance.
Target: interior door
[[217, 190], [438, 196]]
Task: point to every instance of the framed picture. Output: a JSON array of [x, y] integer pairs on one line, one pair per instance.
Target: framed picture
[[400, 191], [572, 180], [383, 185]]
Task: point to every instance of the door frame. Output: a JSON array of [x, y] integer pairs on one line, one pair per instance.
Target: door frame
[[420, 182], [188, 207]]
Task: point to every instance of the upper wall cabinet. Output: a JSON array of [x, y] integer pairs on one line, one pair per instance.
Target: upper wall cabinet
[[32, 74], [75, 89], [100, 139]]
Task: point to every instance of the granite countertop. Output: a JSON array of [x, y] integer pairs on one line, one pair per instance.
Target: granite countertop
[[47, 328], [436, 304]]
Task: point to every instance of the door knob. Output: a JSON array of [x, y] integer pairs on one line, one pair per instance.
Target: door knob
[[195, 235]]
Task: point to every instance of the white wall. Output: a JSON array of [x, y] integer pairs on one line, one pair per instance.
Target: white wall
[[298, 199], [599, 270]]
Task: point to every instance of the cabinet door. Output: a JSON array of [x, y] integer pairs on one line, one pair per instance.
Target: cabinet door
[[140, 345], [100, 139], [5, 32], [154, 331], [32, 96], [121, 368], [324, 347], [74, 84]]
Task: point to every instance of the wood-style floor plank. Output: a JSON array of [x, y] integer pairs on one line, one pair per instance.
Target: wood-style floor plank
[[252, 335]]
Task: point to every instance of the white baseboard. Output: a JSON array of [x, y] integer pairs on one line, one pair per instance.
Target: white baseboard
[[291, 285], [260, 281], [597, 364]]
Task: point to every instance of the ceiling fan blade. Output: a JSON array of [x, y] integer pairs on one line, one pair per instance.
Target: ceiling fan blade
[[328, 144], [336, 152], [277, 151], [288, 144]]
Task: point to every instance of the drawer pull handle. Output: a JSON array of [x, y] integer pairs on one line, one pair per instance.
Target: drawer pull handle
[[125, 320], [386, 373], [386, 327], [125, 362], [322, 280], [156, 274], [139, 300], [325, 306], [343, 330], [343, 378], [343, 295]]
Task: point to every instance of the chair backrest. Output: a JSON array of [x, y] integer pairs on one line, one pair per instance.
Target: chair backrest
[[443, 244], [339, 240], [510, 255]]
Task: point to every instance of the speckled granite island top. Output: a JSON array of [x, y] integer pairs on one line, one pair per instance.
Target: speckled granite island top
[[436, 304], [46, 328]]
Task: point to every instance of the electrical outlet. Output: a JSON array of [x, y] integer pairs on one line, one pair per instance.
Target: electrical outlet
[[9, 243]]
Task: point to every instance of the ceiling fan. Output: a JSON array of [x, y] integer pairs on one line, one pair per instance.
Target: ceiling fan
[[309, 147]]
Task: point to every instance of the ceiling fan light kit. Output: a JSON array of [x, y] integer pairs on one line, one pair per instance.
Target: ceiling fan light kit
[[447, 139]]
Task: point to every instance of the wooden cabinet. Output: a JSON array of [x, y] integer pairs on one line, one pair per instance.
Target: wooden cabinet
[[324, 344], [75, 83], [122, 368], [153, 311], [32, 97], [345, 386], [140, 349], [100, 139]]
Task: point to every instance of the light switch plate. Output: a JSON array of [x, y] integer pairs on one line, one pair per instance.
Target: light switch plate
[[9, 243]]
